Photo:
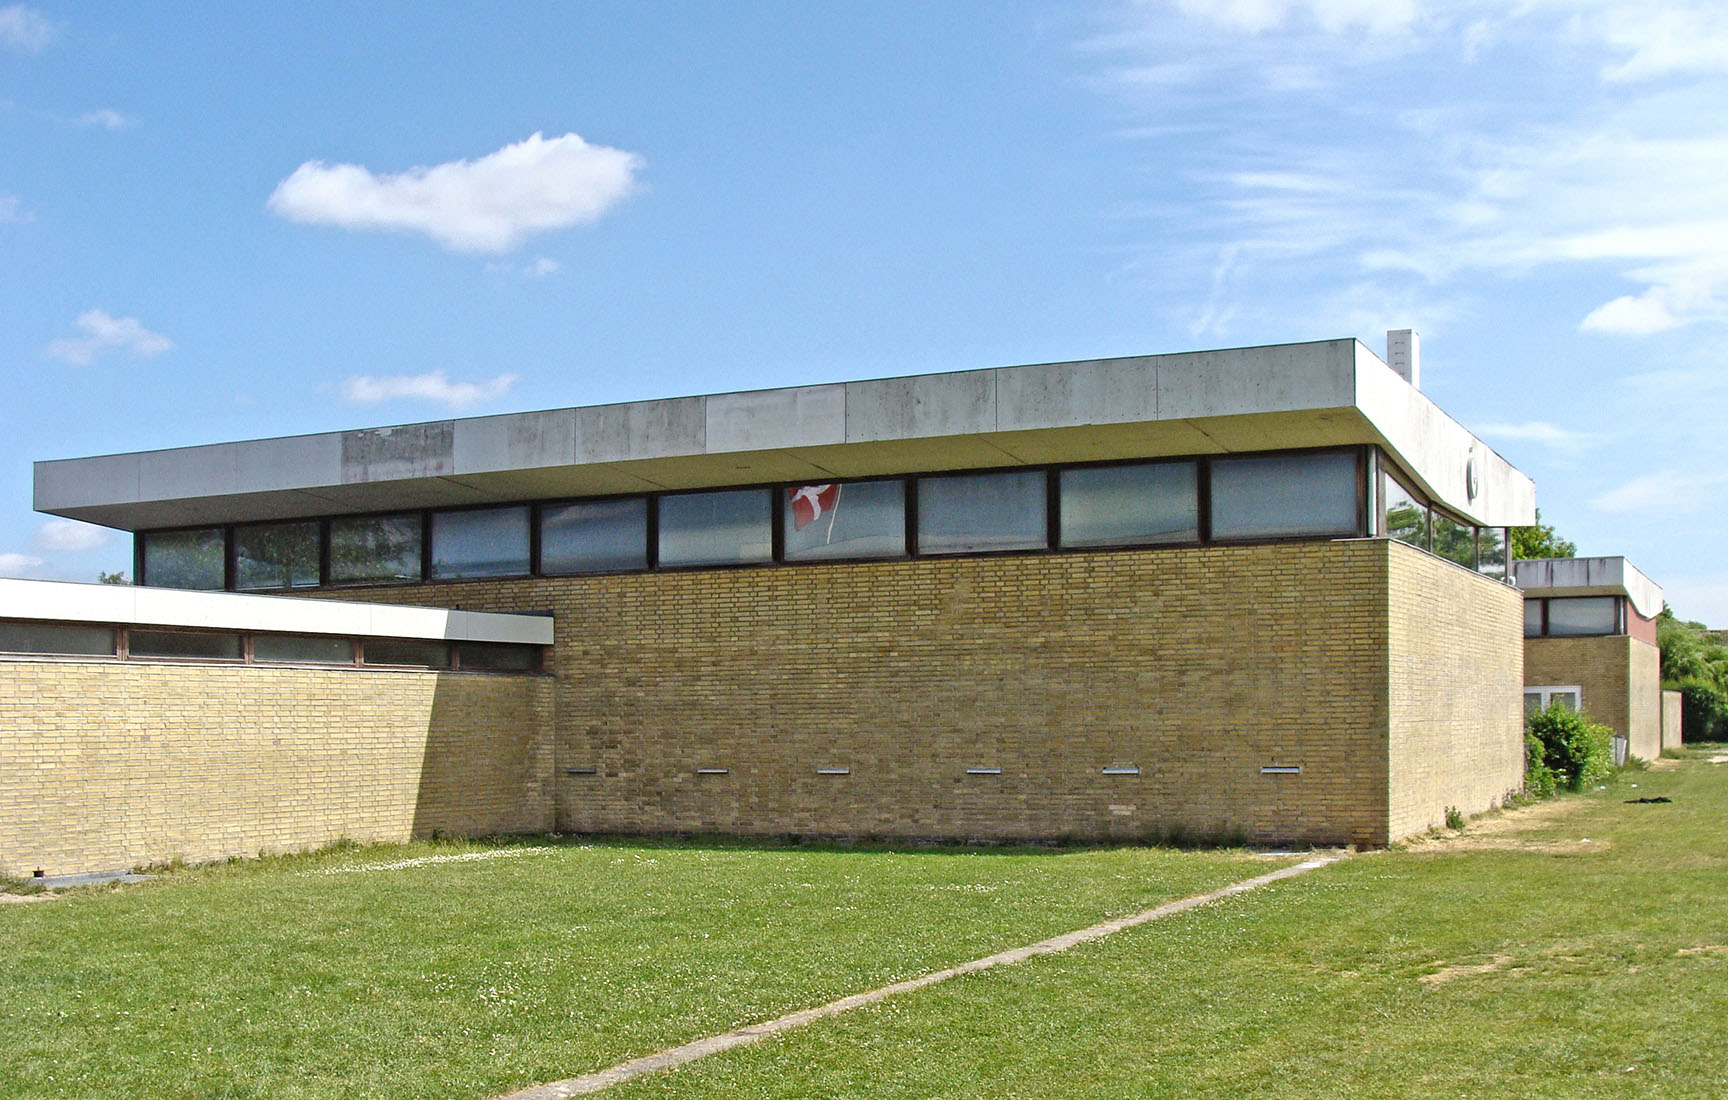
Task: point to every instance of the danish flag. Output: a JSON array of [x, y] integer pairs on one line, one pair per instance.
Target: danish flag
[[811, 502]]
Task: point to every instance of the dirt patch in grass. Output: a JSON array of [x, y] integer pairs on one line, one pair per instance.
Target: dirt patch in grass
[[1450, 973], [1509, 829], [20, 899]]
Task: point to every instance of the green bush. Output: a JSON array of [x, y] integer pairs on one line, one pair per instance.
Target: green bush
[[1572, 749], [1703, 711], [1538, 776]]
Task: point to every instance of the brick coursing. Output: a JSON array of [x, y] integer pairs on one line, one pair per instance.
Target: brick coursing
[[1619, 677]]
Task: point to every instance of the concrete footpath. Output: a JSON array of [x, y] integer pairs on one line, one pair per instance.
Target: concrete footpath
[[744, 1036]]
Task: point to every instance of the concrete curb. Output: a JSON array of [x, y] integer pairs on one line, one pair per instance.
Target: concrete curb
[[744, 1036]]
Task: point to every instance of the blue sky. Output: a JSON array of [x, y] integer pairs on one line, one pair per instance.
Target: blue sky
[[230, 221]]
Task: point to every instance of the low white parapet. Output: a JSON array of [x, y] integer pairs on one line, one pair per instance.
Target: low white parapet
[[129, 605]]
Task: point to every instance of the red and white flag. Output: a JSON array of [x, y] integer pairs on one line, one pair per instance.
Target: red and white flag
[[811, 502]]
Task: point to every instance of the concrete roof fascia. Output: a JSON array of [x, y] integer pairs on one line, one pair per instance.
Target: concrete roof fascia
[[1262, 398], [129, 605], [1598, 576], [1438, 451]]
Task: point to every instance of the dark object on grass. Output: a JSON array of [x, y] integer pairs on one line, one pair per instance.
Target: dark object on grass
[[1658, 798]]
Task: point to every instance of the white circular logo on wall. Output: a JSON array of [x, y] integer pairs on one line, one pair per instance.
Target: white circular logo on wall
[[1470, 481]]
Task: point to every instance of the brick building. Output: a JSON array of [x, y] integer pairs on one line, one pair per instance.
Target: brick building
[[1258, 592]]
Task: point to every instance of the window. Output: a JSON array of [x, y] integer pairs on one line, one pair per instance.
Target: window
[[1406, 517], [185, 559], [1143, 503], [1454, 541], [499, 657], [855, 519], [480, 542], [58, 638], [971, 512], [594, 536], [1280, 496], [310, 648], [1580, 615], [1491, 551], [374, 549], [725, 528], [181, 643], [1532, 618], [1538, 698], [383, 651], [276, 555]]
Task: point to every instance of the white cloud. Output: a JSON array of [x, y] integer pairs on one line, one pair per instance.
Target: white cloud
[[1673, 493], [67, 536], [12, 209], [1631, 316], [542, 267], [491, 204], [19, 565], [107, 118], [1333, 16], [1536, 431], [435, 386], [24, 28], [104, 333]]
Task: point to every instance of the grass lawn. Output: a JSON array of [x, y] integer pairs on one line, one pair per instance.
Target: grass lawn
[[1575, 949], [466, 979]]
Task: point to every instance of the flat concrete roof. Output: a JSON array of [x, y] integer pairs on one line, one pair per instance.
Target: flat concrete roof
[[1325, 393], [1606, 576], [129, 605]]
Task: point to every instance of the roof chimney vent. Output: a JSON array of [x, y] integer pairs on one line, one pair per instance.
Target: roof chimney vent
[[1404, 354]]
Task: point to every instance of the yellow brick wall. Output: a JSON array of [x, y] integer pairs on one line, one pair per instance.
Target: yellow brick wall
[[112, 764], [1618, 676], [1199, 666], [1453, 663]]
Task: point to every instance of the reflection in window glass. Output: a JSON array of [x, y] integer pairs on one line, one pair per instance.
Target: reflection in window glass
[[1454, 541], [57, 638], [1583, 615], [374, 548], [276, 555], [973, 512], [184, 559], [174, 643], [594, 536], [498, 657], [385, 651], [480, 542], [1532, 702], [856, 519], [724, 528], [1532, 618], [285, 647], [1406, 517], [1276, 496], [1491, 551], [1130, 505]]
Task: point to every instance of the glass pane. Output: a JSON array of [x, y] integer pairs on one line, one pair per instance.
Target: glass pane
[[1532, 702], [1454, 541], [57, 638], [1491, 551], [594, 536], [170, 643], [276, 555], [500, 658], [1284, 495], [1532, 618], [482, 542], [958, 515], [857, 519], [1129, 505], [280, 647], [374, 548], [716, 528], [1567, 699], [422, 654], [184, 559], [1583, 615], [1406, 517]]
